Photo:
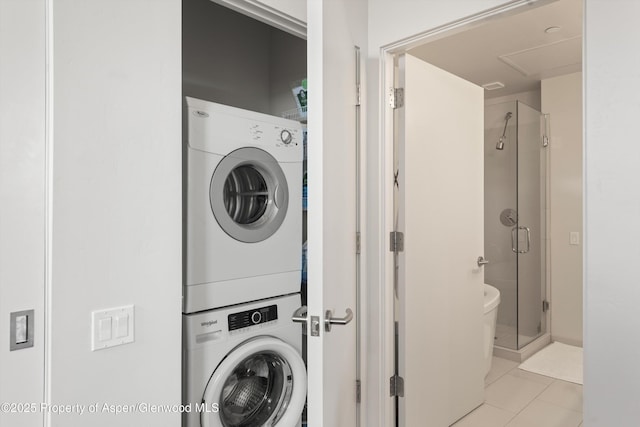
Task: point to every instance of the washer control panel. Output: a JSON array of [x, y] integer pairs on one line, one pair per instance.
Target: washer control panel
[[257, 316]]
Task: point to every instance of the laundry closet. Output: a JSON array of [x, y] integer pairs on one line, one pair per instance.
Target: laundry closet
[[232, 59], [244, 214]]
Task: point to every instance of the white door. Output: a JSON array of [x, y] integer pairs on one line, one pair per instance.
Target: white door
[[440, 210], [23, 155], [335, 28]]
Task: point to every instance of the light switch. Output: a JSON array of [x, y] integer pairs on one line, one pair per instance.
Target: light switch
[[574, 238], [104, 329], [122, 325], [112, 327]]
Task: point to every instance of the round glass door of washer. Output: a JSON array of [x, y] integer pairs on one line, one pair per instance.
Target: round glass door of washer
[[260, 383], [249, 195]]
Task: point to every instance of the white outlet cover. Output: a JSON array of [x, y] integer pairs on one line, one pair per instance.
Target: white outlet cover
[[100, 318]]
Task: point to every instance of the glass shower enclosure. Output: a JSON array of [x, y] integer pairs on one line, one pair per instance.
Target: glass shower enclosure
[[516, 219]]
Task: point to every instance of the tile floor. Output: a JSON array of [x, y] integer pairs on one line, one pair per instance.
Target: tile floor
[[517, 398], [506, 336]]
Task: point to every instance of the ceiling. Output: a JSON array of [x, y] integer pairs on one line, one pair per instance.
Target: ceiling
[[514, 50]]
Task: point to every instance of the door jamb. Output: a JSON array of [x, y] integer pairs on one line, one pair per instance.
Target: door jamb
[[385, 148]]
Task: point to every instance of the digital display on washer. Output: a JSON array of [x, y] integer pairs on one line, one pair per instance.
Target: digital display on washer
[[252, 317]]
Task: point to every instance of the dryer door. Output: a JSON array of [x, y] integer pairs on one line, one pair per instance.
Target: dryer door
[[249, 195], [261, 382]]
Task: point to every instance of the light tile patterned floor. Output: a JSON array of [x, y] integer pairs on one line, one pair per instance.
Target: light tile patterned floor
[[517, 398]]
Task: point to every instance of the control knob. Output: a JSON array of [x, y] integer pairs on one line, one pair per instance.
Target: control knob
[[256, 317], [286, 137]]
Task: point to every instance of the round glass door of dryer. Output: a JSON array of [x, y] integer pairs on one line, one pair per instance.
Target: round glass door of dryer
[[249, 195], [260, 383]]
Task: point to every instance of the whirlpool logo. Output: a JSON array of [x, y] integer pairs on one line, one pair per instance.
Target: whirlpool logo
[[209, 323]]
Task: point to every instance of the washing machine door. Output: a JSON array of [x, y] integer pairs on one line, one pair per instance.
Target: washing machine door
[[262, 382], [249, 195]]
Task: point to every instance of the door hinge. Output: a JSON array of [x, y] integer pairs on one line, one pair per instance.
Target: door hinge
[[545, 306], [396, 97], [358, 96], [396, 383], [396, 241], [358, 391], [358, 240]]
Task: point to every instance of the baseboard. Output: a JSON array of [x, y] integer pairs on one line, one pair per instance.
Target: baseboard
[[525, 352], [567, 341]]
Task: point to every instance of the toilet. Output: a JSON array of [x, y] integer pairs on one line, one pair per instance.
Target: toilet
[[491, 302]]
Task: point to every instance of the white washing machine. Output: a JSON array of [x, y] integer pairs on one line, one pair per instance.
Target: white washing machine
[[244, 206], [242, 366]]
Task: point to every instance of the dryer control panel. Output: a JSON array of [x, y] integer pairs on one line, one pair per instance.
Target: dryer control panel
[[220, 129], [275, 135], [244, 319]]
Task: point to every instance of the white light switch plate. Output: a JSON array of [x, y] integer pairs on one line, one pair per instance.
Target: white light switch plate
[[111, 327]]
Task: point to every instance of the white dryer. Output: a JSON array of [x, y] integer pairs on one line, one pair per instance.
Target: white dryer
[[242, 366], [244, 206]]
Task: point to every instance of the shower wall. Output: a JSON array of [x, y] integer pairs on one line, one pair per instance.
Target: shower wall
[[515, 218]]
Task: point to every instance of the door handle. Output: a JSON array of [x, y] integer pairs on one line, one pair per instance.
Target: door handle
[[330, 320], [515, 231], [482, 261], [528, 238], [300, 315]]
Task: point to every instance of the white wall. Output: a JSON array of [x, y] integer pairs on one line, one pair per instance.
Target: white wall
[[612, 209], [562, 99], [22, 199], [116, 205]]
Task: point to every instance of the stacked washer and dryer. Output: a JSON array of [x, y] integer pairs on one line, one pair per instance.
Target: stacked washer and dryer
[[242, 363]]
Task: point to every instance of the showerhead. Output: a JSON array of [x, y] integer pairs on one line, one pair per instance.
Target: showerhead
[[500, 144]]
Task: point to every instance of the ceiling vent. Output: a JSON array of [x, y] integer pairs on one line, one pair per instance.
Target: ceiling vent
[[548, 60], [493, 85]]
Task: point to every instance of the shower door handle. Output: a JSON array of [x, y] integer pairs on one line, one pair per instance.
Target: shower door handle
[[528, 238], [515, 231]]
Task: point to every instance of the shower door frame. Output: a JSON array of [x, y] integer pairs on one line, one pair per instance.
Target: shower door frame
[[542, 237], [517, 244]]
